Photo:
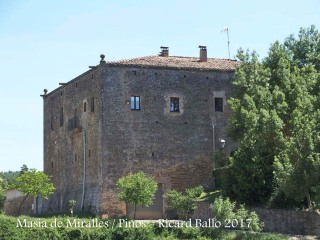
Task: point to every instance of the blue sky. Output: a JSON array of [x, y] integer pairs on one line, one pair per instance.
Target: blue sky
[[45, 42]]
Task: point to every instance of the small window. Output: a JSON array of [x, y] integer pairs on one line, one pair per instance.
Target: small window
[[92, 104], [218, 104], [61, 116], [75, 157], [174, 104], [84, 107], [51, 164], [135, 103], [75, 119]]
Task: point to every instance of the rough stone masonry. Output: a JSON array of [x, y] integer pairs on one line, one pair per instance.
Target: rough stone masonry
[[164, 115]]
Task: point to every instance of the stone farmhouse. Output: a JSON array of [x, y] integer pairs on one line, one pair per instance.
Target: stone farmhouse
[[164, 115]]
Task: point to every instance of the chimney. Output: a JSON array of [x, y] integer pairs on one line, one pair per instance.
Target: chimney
[[203, 53], [164, 52]]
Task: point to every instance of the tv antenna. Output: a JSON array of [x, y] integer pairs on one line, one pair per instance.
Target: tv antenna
[[226, 29]]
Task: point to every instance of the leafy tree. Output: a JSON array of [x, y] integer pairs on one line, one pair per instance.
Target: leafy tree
[[24, 168], [2, 194], [33, 183], [9, 176], [137, 189], [184, 203], [276, 119]]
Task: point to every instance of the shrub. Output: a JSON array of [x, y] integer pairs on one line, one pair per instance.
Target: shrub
[[225, 212], [183, 203]]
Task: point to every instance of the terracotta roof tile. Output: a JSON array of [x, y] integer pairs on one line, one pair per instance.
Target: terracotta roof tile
[[178, 62]]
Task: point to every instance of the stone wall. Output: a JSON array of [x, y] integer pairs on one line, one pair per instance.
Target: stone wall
[[174, 147], [290, 222], [275, 220], [70, 123], [11, 206]]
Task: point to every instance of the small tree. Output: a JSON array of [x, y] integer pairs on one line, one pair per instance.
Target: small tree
[[183, 203], [137, 189], [72, 204], [33, 183]]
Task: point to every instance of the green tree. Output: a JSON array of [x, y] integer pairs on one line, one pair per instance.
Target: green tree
[[276, 119], [24, 168], [183, 203], [2, 194], [33, 183], [9, 176], [137, 189]]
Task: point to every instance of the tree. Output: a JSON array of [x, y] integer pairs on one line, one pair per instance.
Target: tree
[[137, 189], [72, 204], [9, 176], [276, 119], [33, 183], [184, 203], [2, 194], [24, 168]]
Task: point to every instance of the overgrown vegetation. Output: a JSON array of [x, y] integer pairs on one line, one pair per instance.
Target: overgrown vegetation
[[9, 176], [9, 230], [276, 118], [224, 210], [183, 203], [2, 194]]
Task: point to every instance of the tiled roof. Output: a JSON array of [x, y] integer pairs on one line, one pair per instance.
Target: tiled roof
[[178, 62]]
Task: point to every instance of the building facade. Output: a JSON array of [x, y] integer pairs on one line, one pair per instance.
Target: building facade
[[163, 115]]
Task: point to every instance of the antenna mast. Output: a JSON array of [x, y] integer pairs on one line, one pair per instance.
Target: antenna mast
[[226, 29]]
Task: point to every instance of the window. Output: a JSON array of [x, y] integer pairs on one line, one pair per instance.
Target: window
[[61, 116], [218, 104], [84, 107], [174, 104], [135, 103], [92, 104], [75, 119]]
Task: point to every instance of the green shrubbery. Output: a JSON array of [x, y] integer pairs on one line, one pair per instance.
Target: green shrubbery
[[9, 230], [183, 203], [238, 218]]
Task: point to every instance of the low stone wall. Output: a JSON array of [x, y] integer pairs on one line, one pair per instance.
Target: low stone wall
[[11, 206], [275, 220], [290, 222]]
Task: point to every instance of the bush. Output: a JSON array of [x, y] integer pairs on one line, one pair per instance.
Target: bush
[[183, 203], [2, 198], [225, 211], [132, 233], [8, 230]]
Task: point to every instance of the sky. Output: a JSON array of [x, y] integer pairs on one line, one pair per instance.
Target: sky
[[45, 42]]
